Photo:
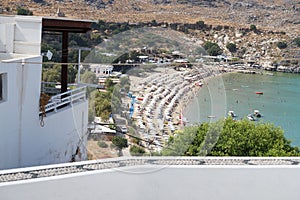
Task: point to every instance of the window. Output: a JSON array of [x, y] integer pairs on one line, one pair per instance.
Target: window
[[3, 86]]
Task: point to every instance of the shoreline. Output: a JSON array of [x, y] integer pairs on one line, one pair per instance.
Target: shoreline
[[155, 119], [163, 95]]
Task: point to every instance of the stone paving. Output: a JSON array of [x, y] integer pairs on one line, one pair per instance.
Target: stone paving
[[72, 168]]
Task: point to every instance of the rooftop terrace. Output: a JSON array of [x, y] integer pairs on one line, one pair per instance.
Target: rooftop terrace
[[112, 163]]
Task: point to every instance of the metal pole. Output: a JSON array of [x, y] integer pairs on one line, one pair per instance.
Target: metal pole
[[79, 57], [64, 67]]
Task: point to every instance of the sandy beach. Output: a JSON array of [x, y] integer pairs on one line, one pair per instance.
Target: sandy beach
[[161, 96]]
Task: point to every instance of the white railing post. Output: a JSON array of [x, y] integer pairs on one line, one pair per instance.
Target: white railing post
[[55, 106]]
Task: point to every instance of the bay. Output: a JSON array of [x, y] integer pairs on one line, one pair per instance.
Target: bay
[[279, 104]]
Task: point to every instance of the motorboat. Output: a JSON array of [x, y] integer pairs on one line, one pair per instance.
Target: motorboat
[[199, 83], [231, 114], [256, 113], [251, 117], [260, 93]]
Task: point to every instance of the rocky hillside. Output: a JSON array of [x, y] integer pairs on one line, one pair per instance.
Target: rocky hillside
[[229, 20], [272, 14]]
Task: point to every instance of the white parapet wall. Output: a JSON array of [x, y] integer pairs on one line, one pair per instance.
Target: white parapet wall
[[159, 178]]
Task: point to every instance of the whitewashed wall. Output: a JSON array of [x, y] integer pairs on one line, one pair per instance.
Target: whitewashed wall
[[57, 141], [170, 182], [23, 142], [22, 102], [20, 34]]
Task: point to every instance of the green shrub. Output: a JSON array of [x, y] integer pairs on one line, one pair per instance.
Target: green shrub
[[253, 27], [136, 151], [120, 142], [281, 45], [102, 144], [297, 41], [231, 47], [212, 49], [200, 24], [23, 11]]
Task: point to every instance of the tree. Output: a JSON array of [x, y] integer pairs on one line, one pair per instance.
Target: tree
[[153, 22], [116, 100], [253, 27], [88, 77], [23, 11], [212, 49], [281, 45], [100, 102], [120, 143], [235, 138], [297, 41], [109, 85], [39, 1], [231, 47], [136, 151], [52, 74], [200, 24]]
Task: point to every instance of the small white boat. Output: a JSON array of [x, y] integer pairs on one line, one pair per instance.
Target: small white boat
[[251, 117], [211, 116], [270, 74], [231, 114], [256, 113]]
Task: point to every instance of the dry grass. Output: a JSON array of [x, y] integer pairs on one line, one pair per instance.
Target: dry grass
[[95, 152]]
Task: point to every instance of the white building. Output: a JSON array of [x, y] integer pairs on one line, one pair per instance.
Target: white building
[[101, 70], [25, 140]]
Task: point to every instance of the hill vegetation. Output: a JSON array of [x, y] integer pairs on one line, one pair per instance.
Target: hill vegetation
[[231, 138]]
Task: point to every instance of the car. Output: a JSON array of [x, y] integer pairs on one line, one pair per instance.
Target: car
[[122, 129]]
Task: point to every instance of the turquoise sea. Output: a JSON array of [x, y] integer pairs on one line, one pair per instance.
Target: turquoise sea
[[279, 104]]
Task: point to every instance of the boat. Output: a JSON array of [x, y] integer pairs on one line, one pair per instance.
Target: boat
[[199, 83], [231, 114], [256, 113], [270, 74], [260, 93], [251, 117]]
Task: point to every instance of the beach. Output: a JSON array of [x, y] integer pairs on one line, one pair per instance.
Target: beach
[[161, 97]]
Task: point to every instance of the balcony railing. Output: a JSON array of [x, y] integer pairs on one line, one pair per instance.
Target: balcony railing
[[53, 88], [65, 99]]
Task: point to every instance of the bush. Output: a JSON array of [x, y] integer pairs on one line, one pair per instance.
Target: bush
[[253, 27], [120, 142], [297, 41], [212, 49], [102, 144], [231, 47], [136, 151], [200, 24], [231, 138], [23, 11], [281, 45]]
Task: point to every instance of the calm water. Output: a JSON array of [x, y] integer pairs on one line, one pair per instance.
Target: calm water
[[279, 103]]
